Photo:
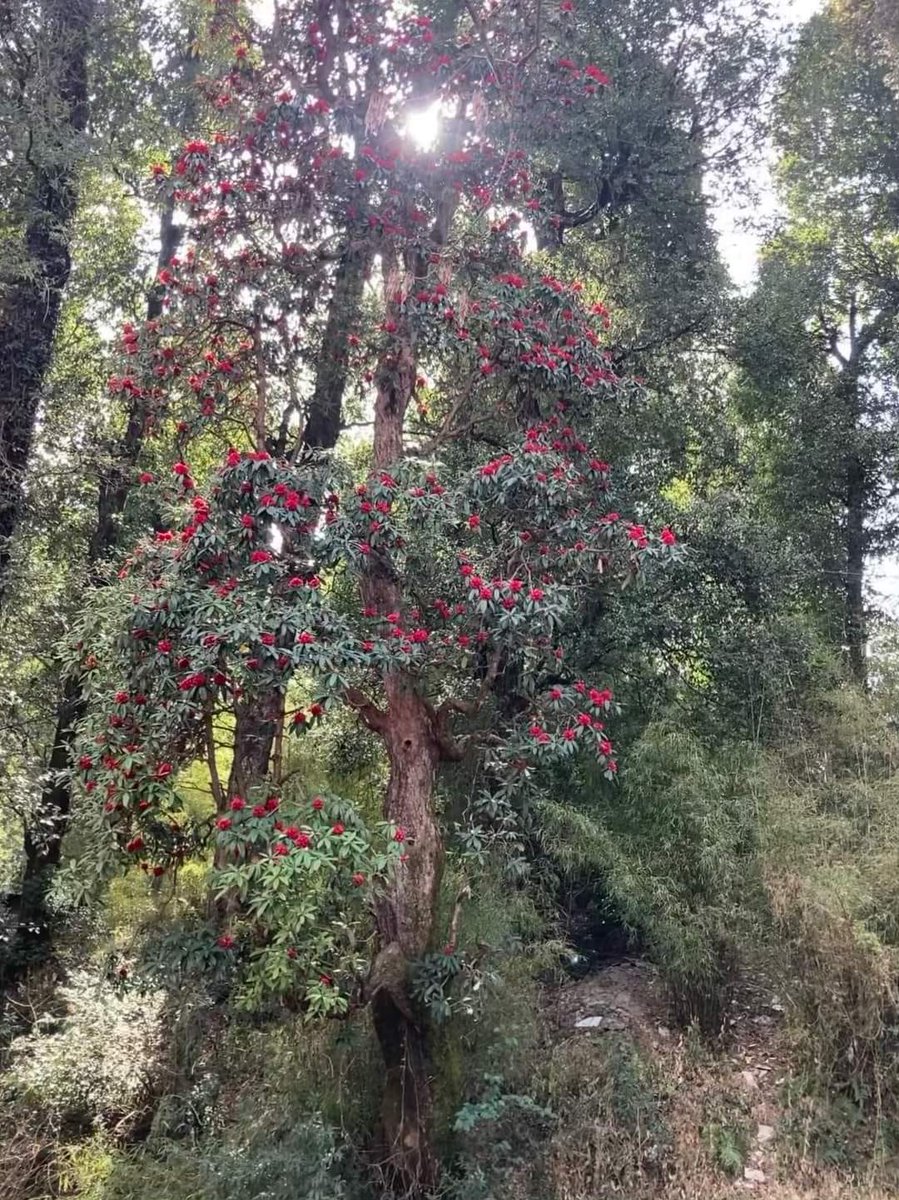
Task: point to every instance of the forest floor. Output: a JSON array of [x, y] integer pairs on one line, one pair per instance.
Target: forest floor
[[674, 1120]]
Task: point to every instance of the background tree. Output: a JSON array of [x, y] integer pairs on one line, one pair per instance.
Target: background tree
[[821, 328], [46, 112], [877, 22], [107, 281]]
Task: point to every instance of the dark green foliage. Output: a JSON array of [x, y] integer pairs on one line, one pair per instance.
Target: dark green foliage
[[674, 852]]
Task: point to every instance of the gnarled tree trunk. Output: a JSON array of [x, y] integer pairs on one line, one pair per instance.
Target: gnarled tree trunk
[[405, 914], [405, 920]]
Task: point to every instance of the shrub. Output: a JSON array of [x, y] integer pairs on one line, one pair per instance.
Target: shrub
[[297, 1161], [674, 852], [98, 1062], [831, 852], [27, 1151]]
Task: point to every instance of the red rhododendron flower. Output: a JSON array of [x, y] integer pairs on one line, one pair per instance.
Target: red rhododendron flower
[[596, 74]]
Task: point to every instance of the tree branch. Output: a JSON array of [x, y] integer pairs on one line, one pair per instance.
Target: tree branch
[[370, 714], [214, 778]]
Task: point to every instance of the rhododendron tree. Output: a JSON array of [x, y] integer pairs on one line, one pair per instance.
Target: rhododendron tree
[[429, 591]]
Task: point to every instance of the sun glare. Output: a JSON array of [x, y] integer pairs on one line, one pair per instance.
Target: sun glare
[[423, 125]]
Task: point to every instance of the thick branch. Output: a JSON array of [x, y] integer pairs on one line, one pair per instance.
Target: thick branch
[[370, 714]]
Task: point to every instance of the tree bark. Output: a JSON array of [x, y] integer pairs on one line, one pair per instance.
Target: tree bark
[[31, 306], [405, 914], [405, 920], [324, 418], [855, 621], [255, 727]]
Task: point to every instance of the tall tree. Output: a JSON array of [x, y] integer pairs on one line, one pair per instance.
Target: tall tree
[[45, 114], [402, 591], [102, 288], [820, 341]]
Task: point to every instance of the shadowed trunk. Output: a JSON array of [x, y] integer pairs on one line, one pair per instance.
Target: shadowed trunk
[[255, 731], [855, 497], [325, 413], [33, 297], [255, 728]]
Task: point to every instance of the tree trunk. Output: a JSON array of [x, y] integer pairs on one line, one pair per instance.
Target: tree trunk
[[405, 914], [32, 301], [325, 415], [405, 921], [254, 735], [856, 633], [43, 845]]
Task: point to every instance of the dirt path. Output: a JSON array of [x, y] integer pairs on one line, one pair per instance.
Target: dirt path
[[727, 1128]]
